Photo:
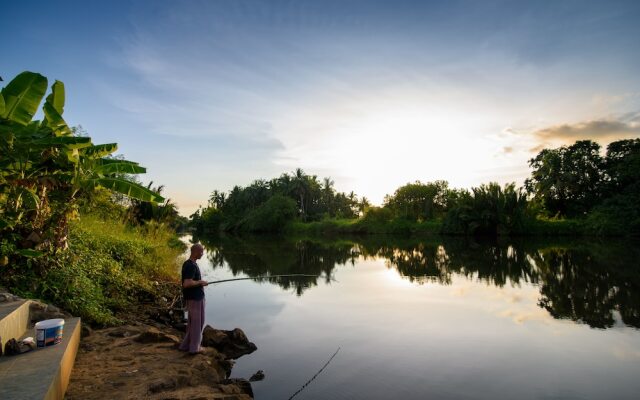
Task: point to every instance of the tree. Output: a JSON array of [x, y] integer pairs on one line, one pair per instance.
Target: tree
[[45, 168], [622, 165], [618, 213], [567, 180], [217, 199], [489, 210], [418, 201]]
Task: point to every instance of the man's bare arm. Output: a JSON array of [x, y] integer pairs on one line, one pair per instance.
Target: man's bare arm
[[189, 283]]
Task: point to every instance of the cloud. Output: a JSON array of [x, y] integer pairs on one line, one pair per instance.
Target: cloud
[[599, 130], [507, 149], [537, 148]]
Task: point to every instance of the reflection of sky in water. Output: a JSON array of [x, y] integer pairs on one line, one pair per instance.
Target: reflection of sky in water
[[404, 340]]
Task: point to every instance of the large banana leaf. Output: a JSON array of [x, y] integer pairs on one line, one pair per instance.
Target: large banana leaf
[[22, 96], [56, 98], [6, 136], [71, 142], [30, 253], [127, 188], [28, 198], [99, 150], [1, 104], [107, 166], [54, 120]]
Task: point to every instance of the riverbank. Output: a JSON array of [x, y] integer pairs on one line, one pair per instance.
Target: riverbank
[[109, 268], [538, 227], [123, 281], [141, 360]]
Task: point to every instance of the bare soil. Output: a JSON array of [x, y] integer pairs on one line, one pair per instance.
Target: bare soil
[[141, 361]]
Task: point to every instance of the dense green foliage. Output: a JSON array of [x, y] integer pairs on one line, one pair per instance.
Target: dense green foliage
[[567, 180], [109, 267], [418, 201], [50, 174], [140, 212], [270, 215], [489, 210], [244, 209], [573, 190], [45, 169]]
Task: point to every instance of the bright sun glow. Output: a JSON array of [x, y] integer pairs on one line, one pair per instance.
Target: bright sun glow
[[377, 146]]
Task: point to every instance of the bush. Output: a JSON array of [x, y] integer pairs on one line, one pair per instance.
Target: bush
[[489, 210], [108, 267], [618, 215], [272, 216]]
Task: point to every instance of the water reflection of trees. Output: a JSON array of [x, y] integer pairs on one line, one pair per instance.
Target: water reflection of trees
[[585, 282], [267, 255]]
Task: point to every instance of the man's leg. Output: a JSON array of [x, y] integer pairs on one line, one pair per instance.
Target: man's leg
[[195, 323], [196, 309], [184, 346]]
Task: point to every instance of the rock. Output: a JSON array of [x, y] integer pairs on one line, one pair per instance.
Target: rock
[[233, 344], [243, 384], [227, 366], [230, 389], [52, 309], [39, 311], [181, 326], [162, 385], [122, 332], [153, 335], [85, 330], [87, 346], [258, 376], [37, 306], [213, 337], [239, 336]]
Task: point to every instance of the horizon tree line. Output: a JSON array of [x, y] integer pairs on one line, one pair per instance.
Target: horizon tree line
[[569, 182]]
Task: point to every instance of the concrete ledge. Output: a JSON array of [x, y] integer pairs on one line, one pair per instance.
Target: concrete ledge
[[43, 373], [14, 319]]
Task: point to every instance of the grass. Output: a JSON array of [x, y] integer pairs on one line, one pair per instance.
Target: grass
[[109, 267], [365, 226], [331, 227]]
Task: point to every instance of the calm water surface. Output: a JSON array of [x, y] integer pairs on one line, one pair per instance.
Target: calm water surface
[[442, 319]]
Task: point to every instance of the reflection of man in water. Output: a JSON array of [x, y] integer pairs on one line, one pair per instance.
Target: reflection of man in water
[[193, 295]]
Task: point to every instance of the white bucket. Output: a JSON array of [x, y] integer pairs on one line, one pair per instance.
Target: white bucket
[[49, 332]]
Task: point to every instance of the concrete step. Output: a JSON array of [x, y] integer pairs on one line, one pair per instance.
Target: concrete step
[[14, 319], [42, 373]]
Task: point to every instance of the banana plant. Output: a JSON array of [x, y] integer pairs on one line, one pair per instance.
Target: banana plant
[[44, 167]]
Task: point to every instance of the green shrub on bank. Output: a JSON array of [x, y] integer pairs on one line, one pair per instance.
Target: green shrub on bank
[[618, 215], [399, 226], [108, 267], [271, 216], [554, 227]]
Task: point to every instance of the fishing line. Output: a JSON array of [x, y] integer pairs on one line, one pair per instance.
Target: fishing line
[[315, 376]]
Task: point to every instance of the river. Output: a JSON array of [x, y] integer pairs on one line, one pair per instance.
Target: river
[[445, 318]]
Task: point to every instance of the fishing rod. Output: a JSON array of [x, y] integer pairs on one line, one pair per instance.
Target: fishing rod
[[262, 277]]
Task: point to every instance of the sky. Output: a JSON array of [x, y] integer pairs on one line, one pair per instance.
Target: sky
[[374, 94]]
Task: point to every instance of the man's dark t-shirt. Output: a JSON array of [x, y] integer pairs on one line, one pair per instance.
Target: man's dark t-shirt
[[190, 270]]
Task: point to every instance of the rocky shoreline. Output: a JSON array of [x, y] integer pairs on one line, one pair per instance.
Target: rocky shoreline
[[140, 360]]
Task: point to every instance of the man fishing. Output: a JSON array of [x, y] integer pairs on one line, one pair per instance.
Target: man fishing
[[193, 295]]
